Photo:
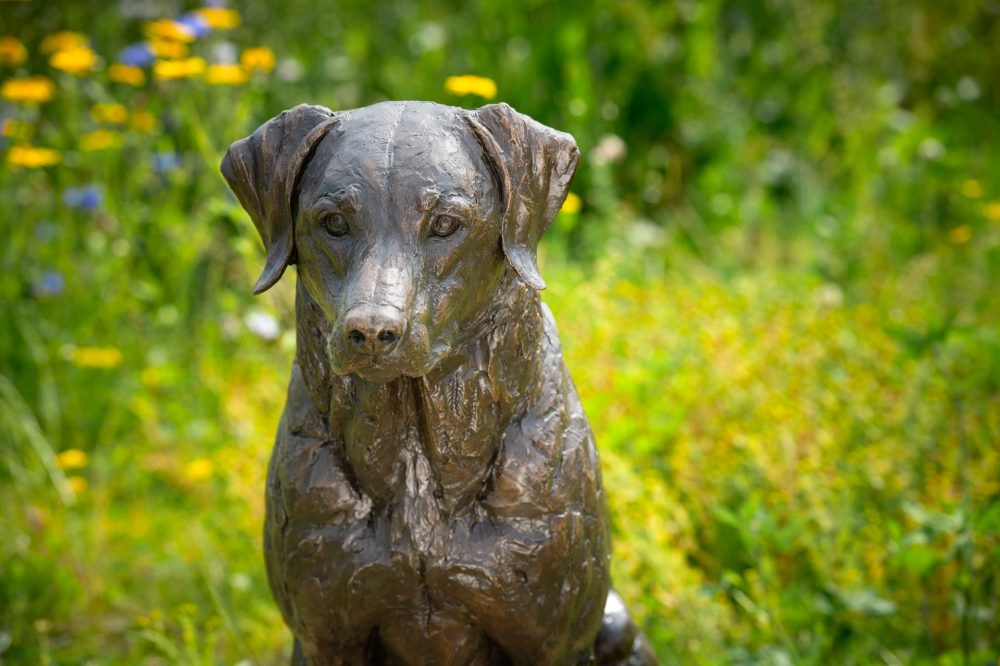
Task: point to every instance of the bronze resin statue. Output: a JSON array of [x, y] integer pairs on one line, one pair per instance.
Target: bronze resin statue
[[434, 495]]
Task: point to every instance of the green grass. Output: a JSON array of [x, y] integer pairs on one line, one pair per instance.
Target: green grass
[[778, 306]]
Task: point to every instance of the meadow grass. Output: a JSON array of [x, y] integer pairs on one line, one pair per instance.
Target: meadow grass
[[785, 330]]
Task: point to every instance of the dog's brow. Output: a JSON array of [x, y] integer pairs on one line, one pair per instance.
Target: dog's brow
[[432, 198], [345, 198]]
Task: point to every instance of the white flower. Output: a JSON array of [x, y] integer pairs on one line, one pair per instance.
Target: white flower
[[263, 325]]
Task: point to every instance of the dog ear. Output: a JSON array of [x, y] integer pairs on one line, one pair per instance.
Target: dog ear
[[263, 171], [535, 166]]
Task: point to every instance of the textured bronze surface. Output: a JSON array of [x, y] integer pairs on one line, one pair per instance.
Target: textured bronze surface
[[434, 495]]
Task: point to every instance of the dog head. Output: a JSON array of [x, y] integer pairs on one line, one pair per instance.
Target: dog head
[[402, 218]]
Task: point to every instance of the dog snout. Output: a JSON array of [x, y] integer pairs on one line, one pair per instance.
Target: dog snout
[[373, 329]]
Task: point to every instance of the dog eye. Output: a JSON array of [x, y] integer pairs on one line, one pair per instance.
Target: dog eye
[[335, 224], [445, 225]]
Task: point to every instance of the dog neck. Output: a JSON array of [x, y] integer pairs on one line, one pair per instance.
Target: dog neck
[[436, 436]]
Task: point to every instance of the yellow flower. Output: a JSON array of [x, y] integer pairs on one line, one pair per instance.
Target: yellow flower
[[114, 113], [992, 211], [960, 235], [65, 40], [231, 75], [32, 89], [163, 48], [470, 84], [972, 188], [72, 459], [219, 18], [77, 484], [97, 357], [167, 29], [99, 140], [571, 205], [12, 51], [143, 121], [32, 157], [199, 469], [178, 69], [75, 61], [259, 57], [127, 74]]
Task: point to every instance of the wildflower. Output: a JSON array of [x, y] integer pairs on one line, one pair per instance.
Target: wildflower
[[137, 55], [470, 84], [77, 484], [199, 469], [50, 283], [32, 89], [572, 204], [263, 325], [169, 30], [229, 75], [32, 157], [972, 188], [86, 198], [196, 23], [609, 149], [258, 58], [166, 161], [219, 18], [127, 74], [992, 211], [113, 113], [96, 357], [143, 121], [75, 61], [72, 459], [162, 48], [99, 140], [12, 51], [960, 235], [65, 40], [178, 69]]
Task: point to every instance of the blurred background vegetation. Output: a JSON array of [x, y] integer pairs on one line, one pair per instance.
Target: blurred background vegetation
[[776, 282]]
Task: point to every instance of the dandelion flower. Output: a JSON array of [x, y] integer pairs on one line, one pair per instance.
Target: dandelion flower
[[77, 484], [163, 48], [65, 40], [143, 121], [960, 235], [31, 157], [127, 74], [97, 357], [113, 113], [99, 140], [198, 470], [178, 69], [75, 61], [169, 30], [226, 75], [572, 204], [219, 18], [992, 211], [470, 84], [72, 459], [35, 89], [258, 58], [12, 51]]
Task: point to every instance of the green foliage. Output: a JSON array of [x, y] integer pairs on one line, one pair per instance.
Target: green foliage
[[777, 298]]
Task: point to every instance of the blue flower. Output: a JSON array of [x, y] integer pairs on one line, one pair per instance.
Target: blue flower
[[196, 24], [50, 283], [166, 161], [137, 55], [86, 198]]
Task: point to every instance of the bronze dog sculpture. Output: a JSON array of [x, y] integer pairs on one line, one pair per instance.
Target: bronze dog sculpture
[[434, 495]]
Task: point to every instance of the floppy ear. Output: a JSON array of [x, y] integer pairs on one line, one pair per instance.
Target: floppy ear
[[263, 171], [535, 166]]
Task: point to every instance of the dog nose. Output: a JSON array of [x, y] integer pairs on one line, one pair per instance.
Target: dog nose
[[374, 330]]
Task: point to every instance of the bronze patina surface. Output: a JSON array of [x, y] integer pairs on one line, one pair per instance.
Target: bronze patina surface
[[434, 495]]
